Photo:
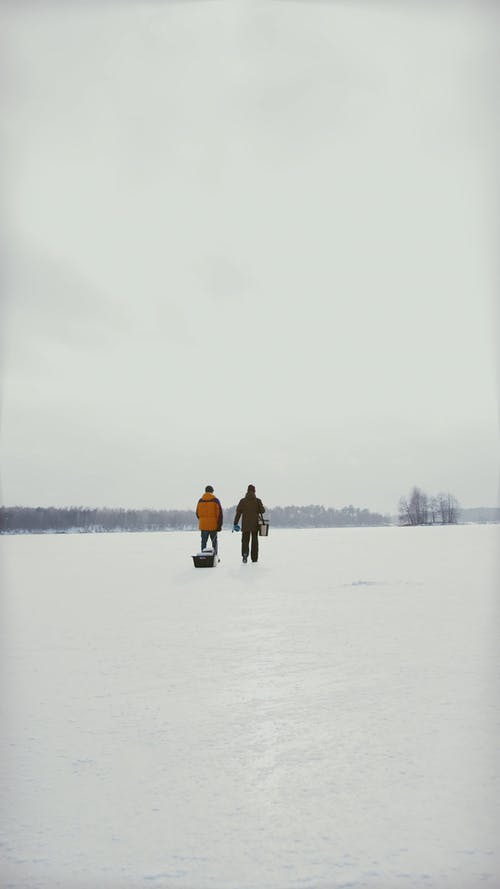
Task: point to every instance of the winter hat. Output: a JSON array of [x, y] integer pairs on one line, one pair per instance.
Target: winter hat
[[209, 489], [251, 488]]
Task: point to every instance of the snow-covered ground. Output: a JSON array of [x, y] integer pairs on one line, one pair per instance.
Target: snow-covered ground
[[328, 717]]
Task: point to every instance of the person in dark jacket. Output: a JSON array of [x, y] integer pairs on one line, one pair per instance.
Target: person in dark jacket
[[210, 517], [249, 509]]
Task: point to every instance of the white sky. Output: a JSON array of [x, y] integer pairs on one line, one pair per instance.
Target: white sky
[[249, 242]]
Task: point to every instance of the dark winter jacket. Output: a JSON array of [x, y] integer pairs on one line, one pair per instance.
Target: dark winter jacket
[[249, 508], [209, 513]]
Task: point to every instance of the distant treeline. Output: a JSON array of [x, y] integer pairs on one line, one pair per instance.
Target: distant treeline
[[78, 518], [482, 515], [324, 517], [25, 519]]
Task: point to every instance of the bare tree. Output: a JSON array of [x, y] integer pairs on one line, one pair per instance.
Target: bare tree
[[419, 509], [448, 509], [434, 510], [404, 511], [415, 509]]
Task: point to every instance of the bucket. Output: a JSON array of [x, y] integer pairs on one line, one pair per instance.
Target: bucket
[[264, 528]]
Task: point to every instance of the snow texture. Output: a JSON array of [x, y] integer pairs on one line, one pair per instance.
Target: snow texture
[[327, 717]]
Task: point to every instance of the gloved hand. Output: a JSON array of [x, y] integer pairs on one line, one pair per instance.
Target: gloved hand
[[236, 528]]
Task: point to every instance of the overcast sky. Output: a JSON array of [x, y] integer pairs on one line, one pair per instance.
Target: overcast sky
[[249, 242]]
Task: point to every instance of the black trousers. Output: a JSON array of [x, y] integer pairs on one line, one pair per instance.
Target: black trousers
[[245, 543]]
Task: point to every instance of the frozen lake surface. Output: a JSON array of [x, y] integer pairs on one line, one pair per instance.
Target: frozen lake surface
[[326, 718]]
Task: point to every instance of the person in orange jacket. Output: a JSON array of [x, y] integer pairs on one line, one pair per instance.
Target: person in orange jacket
[[210, 517]]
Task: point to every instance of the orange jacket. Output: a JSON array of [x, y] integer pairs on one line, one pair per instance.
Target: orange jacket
[[209, 513]]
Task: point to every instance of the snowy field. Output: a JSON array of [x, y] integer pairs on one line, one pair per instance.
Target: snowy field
[[326, 718]]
